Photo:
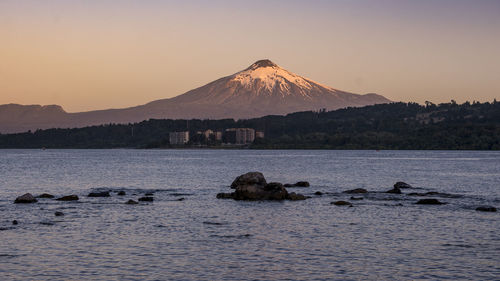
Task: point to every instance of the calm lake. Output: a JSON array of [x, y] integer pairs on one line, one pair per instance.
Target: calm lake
[[384, 236]]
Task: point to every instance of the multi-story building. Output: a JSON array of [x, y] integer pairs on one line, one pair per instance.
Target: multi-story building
[[178, 137], [218, 136], [240, 135]]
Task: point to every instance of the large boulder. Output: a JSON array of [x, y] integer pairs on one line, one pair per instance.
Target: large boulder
[[251, 178], [401, 184], [271, 191], [26, 198], [253, 186]]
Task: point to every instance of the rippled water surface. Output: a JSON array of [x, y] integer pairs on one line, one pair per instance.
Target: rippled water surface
[[384, 236]]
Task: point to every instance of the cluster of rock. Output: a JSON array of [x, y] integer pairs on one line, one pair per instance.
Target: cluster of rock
[[29, 198], [253, 186], [402, 185]]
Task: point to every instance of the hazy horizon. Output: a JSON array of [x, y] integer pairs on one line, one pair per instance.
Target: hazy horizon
[[109, 54]]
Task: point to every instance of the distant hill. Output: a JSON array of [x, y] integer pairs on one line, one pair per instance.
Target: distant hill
[[262, 89], [383, 126]]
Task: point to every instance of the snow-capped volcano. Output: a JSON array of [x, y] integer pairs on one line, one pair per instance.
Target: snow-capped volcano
[[265, 88], [262, 89]]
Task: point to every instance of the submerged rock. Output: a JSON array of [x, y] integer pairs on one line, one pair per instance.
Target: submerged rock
[[131, 202], [435, 193], [181, 199], [319, 193], [298, 184], [486, 209], [341, 203], [302, 184], [99, 194], [146, 199], [26, 198], [355, 191], [68, 198], [294, 197], [14, 222], [401, 184], [45, 195], [58, 214], [251, 178], [429, 202], [395, 190], [149, 194], [223, 195], [121, 193], [356, 198]]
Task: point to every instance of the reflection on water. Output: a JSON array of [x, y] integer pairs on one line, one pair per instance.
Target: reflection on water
[[384, 236]]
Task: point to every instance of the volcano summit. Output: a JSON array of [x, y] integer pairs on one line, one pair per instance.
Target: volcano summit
[[262, 89]]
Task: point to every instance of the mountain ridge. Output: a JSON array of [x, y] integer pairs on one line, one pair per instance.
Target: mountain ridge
[[261, 89]]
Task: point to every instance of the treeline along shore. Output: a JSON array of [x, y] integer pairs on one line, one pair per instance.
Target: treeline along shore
[[446, 126]]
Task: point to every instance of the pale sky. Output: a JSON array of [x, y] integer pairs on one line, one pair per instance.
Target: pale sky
[[86, 55]]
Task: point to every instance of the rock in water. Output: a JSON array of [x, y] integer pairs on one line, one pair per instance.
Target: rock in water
[[26, 198], [223, 195], [271, 191], [341, 203], [68, 198], [356, 198], [99, 194], [294, 197], [298, 184], [486, 209], [253, 186], [356, 191], [122, 193], [131, 202], [319, 193], [401, 184], [45, 195], [395, 190], [251, 178], [58, 214], [146, 199], [14, 222], [429, 202]]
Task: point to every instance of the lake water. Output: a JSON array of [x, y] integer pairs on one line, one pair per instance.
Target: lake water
[[384, 236]]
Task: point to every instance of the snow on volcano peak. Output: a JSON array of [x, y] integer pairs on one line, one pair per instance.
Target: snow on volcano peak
[[267, 75]]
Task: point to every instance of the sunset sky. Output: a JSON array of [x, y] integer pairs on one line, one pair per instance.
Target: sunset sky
[[88, 55]]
